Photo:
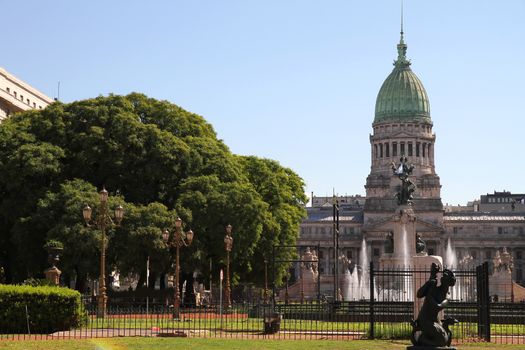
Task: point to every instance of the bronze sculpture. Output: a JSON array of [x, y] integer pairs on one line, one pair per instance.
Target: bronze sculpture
[[429, 332], [420, 244], [403, 170]]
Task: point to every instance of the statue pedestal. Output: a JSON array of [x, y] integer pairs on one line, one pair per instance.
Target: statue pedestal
[[53, 275], [423, 263], [309, 280]]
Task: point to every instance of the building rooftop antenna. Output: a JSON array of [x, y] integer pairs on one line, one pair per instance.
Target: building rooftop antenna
[[58, 92], [401, 17]]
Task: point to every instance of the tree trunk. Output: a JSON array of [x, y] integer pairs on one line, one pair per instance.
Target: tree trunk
[[152, 279], [162, 281], [142, 279]]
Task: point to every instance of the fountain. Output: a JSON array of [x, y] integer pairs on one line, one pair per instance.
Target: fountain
[[364, 282], [407, 253], [450, 256]]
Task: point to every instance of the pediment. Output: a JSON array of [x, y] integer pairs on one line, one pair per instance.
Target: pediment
[[401, 134]]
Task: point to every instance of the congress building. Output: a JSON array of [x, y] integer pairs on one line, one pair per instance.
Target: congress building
[[478, 232]]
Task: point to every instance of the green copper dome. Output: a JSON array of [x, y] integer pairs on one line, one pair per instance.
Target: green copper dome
[[402, 96]]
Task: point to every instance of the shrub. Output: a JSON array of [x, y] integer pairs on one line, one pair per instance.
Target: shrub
[[38, 282], [49, 309], [53, 243]]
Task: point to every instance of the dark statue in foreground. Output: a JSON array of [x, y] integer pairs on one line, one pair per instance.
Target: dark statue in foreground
[[403, 170], [428, 330]]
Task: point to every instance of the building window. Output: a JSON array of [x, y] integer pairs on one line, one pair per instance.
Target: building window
[[410, 149], [377, 152], [394, 149], [349, 254], [417, 148], [376, 251], [321, 254], [519, 255], [488, 255], [7, 89], [519, 274], [387, 150], [455, 230], [402, 148], [473, 254], [22, 98], [381, 150], [34, 105], [430, 251], [14, 94], [27, 100], [424, 148]]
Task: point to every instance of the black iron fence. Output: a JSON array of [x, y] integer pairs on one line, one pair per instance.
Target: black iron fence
[[386, 314]]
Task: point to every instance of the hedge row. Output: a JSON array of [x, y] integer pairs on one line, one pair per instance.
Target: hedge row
[[41, 309]]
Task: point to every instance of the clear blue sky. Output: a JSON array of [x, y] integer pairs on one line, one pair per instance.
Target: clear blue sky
[[296, 81]]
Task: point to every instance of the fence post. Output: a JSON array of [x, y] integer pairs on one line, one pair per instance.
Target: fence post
[[318, 275], [479, 299], [486, 295], [371, 327]]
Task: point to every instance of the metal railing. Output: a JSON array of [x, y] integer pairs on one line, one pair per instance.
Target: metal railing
[[383, 316]]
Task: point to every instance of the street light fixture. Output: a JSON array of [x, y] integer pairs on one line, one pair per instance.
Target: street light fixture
[[228, 244], [102, 222], [177, 240]]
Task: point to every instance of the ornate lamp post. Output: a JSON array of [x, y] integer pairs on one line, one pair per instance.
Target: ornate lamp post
[[228, 244], [265, 295], [177, 240], [102, 222]]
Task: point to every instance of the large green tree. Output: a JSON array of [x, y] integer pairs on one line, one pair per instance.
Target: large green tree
[[163, 162]]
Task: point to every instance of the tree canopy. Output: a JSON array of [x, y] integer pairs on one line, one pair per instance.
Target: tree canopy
[[159, 162]]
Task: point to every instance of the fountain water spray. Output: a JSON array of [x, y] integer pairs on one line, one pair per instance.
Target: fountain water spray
[[364, 282]]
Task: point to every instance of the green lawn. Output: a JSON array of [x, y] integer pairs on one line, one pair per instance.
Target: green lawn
[[218, 344]]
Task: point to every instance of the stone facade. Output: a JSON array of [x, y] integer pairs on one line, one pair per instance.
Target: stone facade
[[17, 96]]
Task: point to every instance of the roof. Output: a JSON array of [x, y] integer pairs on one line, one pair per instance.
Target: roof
[[402, 96], [321, 215], [486, 217]]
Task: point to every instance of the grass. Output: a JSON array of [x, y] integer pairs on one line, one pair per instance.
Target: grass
[[219, 344]]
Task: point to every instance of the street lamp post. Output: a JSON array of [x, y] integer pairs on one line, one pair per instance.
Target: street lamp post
[[265, 294], [102, 222], [177, 240], [335, 217], [228, 244]]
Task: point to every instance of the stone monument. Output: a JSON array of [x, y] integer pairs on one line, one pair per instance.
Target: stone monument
[[309, 274], [54, 248]]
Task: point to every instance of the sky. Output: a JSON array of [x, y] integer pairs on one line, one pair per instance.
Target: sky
[[296, 81]]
